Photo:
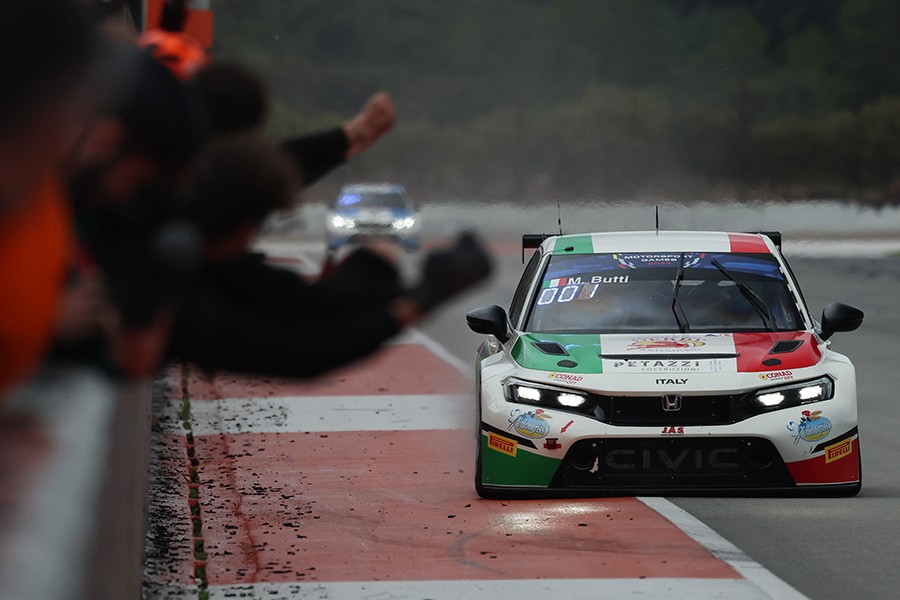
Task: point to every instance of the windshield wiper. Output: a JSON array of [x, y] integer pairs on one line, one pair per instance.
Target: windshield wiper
[[680, 318], [752, 297]]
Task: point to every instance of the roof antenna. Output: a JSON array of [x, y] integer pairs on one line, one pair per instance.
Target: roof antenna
[[657, 219], [559, 216]]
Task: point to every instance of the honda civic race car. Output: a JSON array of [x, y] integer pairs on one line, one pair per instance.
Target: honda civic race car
[[663, 363]]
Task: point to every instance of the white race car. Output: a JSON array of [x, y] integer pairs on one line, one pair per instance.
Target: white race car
[[663, 363], [373, 211]]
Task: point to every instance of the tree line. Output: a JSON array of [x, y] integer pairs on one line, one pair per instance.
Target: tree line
[[534, 99]]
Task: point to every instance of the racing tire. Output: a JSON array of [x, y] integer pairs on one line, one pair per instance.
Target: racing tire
[[850, 490], [479, 486], [853, 491]]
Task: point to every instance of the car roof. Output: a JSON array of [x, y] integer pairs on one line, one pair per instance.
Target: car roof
[[659, 241]]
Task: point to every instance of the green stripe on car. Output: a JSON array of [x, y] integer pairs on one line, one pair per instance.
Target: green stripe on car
[[574, 244], [525, 468], [583, 349]]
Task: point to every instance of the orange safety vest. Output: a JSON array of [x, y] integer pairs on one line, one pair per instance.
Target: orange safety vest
[[35, 249], [181, 53]]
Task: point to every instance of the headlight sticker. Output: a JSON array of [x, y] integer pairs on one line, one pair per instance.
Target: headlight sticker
[[531, 424], [565, 377], [812, 427], [777, 376]]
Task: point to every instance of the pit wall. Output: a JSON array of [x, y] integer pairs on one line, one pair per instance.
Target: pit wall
[[74, 457]]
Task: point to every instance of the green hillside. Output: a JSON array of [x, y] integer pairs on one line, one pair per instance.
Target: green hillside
[[607, 98]]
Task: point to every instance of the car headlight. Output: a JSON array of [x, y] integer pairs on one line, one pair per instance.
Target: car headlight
[[339, 222], [526, 392], [794, 394], [404, 223]]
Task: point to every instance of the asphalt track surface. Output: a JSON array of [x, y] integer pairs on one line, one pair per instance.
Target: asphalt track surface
[[826, 548]]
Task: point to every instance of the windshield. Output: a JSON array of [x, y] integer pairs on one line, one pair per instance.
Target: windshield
[[357, 200], [627, 293]]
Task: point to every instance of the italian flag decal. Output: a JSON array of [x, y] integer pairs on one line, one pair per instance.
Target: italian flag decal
[[556, 282], [717, 242]]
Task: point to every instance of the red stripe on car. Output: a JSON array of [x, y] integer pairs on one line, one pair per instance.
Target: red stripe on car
[[753, 351], [747, 242], [837, 466]]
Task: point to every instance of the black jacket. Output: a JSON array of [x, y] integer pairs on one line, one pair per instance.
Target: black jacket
[[250, 316], [317, 154]]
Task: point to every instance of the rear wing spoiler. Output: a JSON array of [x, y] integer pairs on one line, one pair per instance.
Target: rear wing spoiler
[[775, 236], [533, 240]]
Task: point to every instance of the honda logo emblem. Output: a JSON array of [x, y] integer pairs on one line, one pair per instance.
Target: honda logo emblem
[[671, 403]]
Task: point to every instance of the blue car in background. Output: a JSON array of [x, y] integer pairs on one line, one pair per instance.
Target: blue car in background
[[373, 211]]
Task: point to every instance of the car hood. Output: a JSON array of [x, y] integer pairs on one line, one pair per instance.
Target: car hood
[[667, 353]]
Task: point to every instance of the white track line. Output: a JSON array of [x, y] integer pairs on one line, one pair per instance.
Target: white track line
[[292, 414], [724, 550], [418, 336], [521, 589]]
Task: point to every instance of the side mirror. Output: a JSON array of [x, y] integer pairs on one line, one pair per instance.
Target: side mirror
[[490, 320], [840, 317]]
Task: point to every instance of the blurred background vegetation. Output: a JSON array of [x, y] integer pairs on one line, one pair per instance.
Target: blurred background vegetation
[[538, 99]]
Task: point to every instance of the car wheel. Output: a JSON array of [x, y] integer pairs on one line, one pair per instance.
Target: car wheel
[[856, 489], [479, 487], [852, 490]]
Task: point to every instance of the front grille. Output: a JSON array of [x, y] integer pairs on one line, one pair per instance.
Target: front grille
[[694, 410], [374, 228], [708, 462]]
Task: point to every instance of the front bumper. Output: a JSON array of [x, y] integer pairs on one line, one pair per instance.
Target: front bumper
[[727, 466], [570, 454], [337, 239]]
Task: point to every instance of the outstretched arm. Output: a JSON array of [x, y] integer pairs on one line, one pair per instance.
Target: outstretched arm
[[317, 154]]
